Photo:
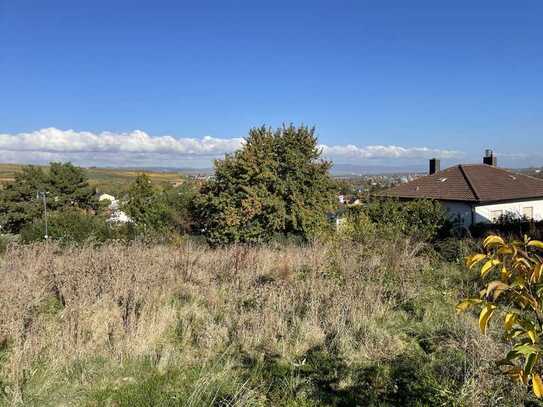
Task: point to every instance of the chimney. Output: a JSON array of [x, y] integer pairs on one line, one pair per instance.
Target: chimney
[[490, 158], [435, 166]]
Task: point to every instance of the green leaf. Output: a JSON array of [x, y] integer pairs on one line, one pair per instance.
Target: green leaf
[[531, 360], [526, 349], [511, 356]]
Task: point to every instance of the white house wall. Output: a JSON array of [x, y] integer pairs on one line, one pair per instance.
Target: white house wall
[[485, 213]]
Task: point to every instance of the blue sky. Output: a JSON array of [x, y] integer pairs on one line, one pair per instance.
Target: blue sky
[[424, 77]]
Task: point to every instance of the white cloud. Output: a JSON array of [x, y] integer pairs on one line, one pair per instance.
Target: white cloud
[[69, 141], [370, 152], [140, 148]]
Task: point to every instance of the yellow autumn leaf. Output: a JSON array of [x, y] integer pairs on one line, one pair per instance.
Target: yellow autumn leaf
[[473, 260], [516, 374], [536, 274], [505, 250], [533, 336], [535, 243], [494, 240], [510, 319], [465, 304], [537, 385], [488, 266], [521, 262], [485, 315], [496, 287], [504, 273]]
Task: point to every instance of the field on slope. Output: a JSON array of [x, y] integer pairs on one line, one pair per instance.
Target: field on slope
[[105, 179]]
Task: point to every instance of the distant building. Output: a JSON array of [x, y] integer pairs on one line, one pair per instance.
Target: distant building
[[113, 203], [106, 197], [476, 193], [115, 214]]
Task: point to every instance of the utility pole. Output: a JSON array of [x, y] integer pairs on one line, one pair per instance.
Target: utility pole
[[43, 196]]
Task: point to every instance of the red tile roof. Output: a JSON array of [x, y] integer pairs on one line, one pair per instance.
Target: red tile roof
[[471, 183]]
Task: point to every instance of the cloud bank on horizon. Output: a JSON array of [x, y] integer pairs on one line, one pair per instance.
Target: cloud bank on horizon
[[137, 148]]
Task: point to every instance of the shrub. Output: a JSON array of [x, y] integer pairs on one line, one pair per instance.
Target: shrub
[[455, 250], [513, 287], [423, 220], [147, 207], [72, 226], [510, 224], [65, 185], [357, 226], [180, 203]]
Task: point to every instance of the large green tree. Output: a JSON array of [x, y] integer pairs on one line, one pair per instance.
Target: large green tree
[[65, 185], [276, 183], [69, 186]]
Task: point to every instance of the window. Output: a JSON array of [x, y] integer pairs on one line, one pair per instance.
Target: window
[[528, 212], [495, 215]]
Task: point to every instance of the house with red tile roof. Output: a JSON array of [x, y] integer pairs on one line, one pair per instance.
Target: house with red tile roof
[[476, 193]]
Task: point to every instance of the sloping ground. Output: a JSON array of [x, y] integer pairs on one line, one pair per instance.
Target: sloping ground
[[101, 176], [334, 324], [8, 171]]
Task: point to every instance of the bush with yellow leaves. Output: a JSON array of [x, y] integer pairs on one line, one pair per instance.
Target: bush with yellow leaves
[[513, 289]]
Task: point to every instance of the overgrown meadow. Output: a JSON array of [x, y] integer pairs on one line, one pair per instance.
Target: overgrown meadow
[[335, 322]]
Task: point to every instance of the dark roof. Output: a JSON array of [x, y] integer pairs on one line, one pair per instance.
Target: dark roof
[[471, 183]]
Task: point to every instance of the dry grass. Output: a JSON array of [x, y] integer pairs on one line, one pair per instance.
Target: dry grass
[[227, 311]]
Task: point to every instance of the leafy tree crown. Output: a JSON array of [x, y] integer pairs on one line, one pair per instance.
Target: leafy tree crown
[[276, 183], [65, 185]]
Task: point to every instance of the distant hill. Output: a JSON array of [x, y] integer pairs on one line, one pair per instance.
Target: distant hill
[[100, 177], [123, 175], [354, 169], [163, 170]]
